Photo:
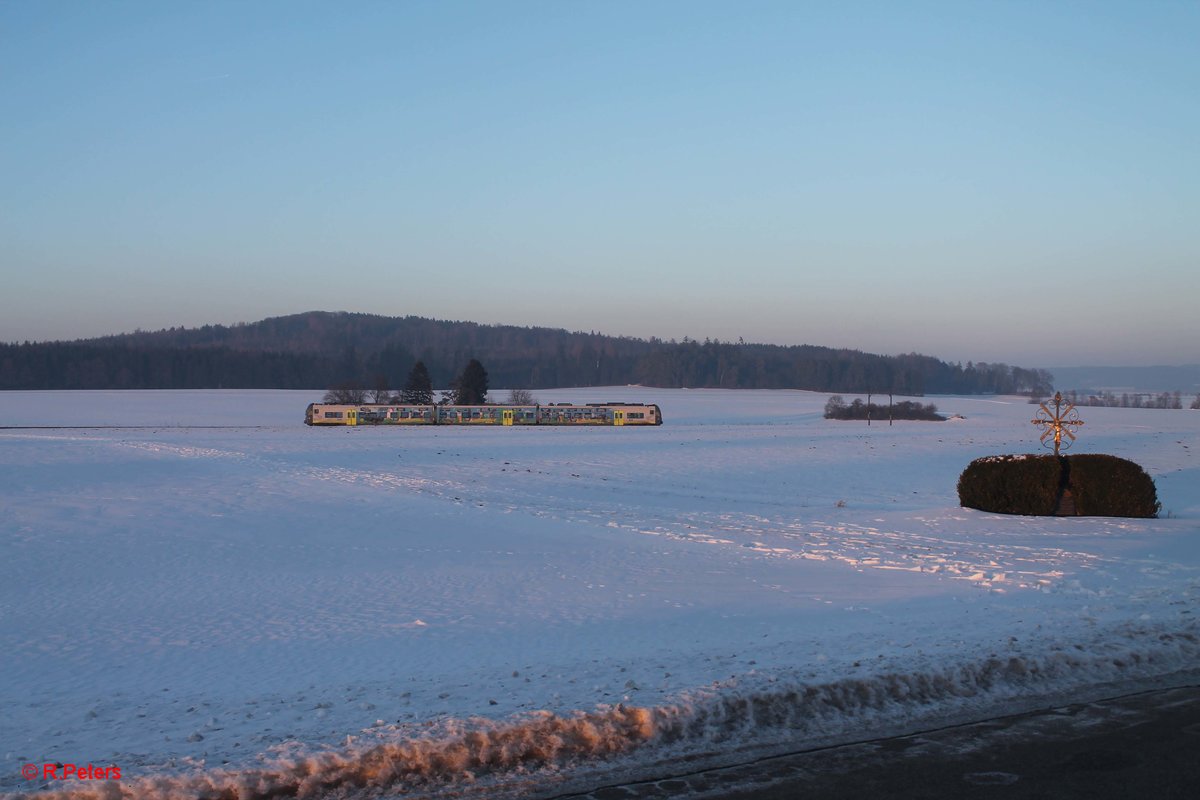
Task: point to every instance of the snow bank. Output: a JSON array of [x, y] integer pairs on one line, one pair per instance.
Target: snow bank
[[759, 716]]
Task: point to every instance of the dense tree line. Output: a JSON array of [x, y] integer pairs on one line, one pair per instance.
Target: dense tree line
[[89, 366], [321, 349]]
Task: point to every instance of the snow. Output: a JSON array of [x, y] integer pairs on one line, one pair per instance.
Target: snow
[[227, 600]]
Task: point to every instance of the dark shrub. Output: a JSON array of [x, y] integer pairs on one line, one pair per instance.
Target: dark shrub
[[1100, 485], [1107, 486], [1021, 484]]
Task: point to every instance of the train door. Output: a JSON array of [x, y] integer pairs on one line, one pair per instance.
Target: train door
[[351, 417], [506, 416], [618, 418]]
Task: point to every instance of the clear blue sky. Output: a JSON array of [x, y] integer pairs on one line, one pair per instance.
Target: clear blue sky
[[995, 181]]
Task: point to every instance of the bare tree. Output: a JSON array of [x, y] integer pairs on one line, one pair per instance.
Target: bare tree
[[520, 397], [346, 394], [381, 393]]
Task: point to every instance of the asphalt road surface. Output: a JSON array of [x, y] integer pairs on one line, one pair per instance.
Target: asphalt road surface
[[1139, 746]]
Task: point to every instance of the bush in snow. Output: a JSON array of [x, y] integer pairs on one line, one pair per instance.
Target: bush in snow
[[1011, 484], [1107, 486], [1096, 485]]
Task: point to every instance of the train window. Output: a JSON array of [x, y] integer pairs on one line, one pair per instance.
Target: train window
[[636, 415], [333, 415]]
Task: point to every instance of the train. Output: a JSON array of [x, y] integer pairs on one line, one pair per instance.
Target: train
[[615, 414]]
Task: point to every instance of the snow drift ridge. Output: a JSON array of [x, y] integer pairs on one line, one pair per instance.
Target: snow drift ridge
[[755, 710]]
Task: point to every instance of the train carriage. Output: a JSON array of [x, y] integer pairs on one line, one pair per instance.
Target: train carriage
[[614, 414]]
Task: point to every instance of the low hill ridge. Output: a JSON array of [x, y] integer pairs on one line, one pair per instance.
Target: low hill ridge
[[317, 349]]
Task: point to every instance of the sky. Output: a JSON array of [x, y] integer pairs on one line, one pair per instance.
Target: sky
[[987, 181]]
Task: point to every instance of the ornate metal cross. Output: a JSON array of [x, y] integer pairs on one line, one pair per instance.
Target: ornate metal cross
[[1058, 422]]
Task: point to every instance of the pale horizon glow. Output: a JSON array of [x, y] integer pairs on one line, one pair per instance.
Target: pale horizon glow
[[1011, 182]]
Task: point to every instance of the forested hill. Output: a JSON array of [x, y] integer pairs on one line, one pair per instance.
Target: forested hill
[[316, 350]]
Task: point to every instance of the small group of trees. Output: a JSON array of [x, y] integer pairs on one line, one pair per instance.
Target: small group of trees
[[836, 408], [469, 388], [418, 390]]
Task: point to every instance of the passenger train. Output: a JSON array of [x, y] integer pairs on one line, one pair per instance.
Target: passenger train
[[553, 414]]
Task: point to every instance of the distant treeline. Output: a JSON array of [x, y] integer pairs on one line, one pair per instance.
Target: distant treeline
[[322, 349], [1124, 400]]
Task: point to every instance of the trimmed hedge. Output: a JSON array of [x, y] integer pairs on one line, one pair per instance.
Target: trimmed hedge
[[1107, 486], [1011, 484], [1099, 485]]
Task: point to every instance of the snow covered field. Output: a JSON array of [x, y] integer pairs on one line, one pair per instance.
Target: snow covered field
[[268, 608]]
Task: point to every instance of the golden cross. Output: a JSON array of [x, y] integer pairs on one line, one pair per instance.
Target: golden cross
[[1056, 423]]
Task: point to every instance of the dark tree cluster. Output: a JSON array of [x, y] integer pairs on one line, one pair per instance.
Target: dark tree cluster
[[470, 388], [322, 349], [836, 408]]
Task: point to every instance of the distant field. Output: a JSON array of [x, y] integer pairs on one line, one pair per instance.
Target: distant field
[[230, 598]]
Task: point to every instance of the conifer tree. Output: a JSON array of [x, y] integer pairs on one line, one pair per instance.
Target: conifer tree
[[472, 385], [418, 390]]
